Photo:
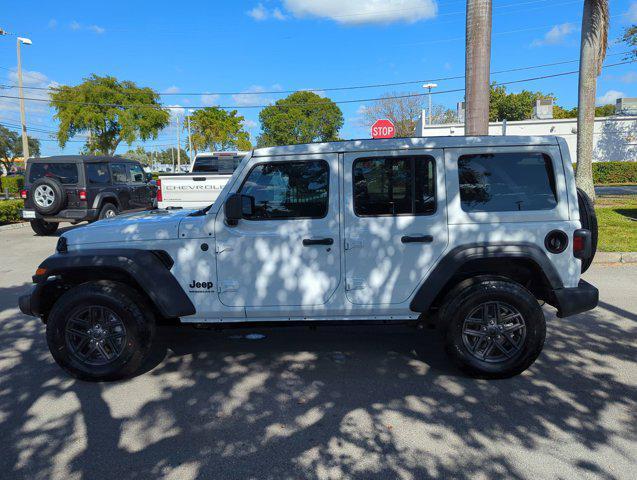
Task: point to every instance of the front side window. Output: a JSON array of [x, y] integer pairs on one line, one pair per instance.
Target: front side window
[[97, 173], [394, 186], [506, 182], [136, 173], [284, 190], [119, 172], [65, 173]]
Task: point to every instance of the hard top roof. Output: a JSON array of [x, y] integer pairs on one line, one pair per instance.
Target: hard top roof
[[407, 143], [79, 159]]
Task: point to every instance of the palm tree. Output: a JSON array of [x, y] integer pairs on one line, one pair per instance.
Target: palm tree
[[595, 22]]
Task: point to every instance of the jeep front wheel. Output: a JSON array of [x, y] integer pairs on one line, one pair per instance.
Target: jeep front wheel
[[494, 329], [100, 331]]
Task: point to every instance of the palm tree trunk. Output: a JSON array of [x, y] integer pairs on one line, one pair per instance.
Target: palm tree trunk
[[592, 53], [478, 67]]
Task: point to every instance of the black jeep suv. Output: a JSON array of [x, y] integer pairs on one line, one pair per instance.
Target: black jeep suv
[[78, 188]]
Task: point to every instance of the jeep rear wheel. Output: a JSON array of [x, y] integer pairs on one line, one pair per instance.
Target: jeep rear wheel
[[41, 227], [48, 195], [588, 219], [494, 328], [100, 331]]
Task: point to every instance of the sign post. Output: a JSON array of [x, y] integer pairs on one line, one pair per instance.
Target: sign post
[[383, 129]]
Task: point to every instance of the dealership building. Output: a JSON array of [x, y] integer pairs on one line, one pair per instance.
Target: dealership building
[[615, 137]]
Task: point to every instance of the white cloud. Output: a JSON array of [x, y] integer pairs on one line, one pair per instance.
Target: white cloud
[[172, 89], [53, 23], [361, 110], [76, 26], [610, 96], [630, 77], [30, 78], [555, 35], [357, 12], [250, 124], [261, 13], [252, 96], [209, 99], [176, 110], [631, 14]]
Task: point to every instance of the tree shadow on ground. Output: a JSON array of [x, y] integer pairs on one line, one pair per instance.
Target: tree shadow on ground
[[348, 402]]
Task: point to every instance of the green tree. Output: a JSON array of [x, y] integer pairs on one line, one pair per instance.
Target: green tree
[[215, 129], [601, 111], [11, 148], [630, 39], [301, 117], [513, 106], [110, 111]]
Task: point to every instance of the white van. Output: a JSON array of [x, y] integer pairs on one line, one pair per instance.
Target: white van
[[468, 233]]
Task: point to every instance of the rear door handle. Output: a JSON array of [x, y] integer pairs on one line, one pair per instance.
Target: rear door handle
[[317, 241], [417, 239]]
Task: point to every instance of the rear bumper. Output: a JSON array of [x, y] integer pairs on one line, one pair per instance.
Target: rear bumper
[[571, 301], [69, 215]]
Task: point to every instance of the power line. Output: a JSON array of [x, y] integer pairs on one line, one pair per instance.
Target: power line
[[346, 88], [360, 100]]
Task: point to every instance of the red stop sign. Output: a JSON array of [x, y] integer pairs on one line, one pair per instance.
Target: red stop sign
[[383, 129]]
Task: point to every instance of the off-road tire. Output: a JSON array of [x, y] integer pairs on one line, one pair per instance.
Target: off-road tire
[[59, 195], [588, 219], [43, 228], [127, 304], [106, 209], [457, 307]]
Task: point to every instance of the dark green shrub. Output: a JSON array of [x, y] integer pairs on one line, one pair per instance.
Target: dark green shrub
[[614, 172], [10, 211]]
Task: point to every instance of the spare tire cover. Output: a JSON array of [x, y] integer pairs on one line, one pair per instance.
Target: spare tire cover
[[588, 219], [48, 195]]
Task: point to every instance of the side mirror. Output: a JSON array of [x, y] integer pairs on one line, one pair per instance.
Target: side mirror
[[238, 206]]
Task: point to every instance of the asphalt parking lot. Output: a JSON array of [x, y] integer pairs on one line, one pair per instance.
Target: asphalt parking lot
[[292, 403]]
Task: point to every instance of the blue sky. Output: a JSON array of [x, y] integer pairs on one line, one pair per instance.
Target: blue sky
[[272, 45]]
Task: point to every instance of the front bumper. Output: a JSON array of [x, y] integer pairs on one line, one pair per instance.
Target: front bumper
[[68, 215], [30, 304], [571, 301]]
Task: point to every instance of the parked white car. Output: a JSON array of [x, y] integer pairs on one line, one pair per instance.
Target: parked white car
[[208, 175], [467, 233]]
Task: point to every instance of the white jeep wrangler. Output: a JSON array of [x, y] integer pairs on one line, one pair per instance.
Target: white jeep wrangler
[[472, 233]]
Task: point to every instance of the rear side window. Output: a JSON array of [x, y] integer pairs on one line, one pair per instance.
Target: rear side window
[[97, 173], [285, 190], [119, 172], [394, 186], [223, 164], [506, 182], [65, 173], [136, 173]]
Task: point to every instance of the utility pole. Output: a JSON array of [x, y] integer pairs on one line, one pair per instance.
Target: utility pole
[[25, 138], [478, 67], [189, 139], [178, 146], [429, 86]]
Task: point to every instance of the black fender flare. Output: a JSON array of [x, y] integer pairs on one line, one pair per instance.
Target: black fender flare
[[149, 269], [454, 260], [103, 197]]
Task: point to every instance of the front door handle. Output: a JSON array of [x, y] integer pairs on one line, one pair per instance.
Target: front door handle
[[317, 241], [417, 239]]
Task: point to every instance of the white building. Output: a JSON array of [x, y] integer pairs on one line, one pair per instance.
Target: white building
[[615, 138]]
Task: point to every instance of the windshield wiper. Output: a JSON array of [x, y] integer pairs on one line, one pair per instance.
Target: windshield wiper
[[201, 211]]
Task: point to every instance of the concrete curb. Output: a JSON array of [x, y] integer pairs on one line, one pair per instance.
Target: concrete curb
[[615, 257], [13, 226]]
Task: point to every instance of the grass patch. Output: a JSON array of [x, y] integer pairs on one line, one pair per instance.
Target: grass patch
[[617, 217]]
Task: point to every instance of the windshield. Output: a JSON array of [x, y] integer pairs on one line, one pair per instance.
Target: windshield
[[66, 173], [225, 164]]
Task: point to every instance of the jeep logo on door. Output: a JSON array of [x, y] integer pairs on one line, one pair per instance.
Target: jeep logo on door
[[200, 287]]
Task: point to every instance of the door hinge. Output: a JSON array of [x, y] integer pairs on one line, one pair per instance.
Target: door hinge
[[355, 284], [228, 286], [351, 243]]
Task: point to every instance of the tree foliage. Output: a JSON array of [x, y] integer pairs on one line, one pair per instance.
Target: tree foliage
[[215, 129], [165, 157], [513, 106], [110, 111], [630, 39], [601, 111], [403, 112], [11, 148], [301, 117]]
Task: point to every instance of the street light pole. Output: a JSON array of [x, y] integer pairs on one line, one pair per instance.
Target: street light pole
[[429, 86], [25, 138]]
